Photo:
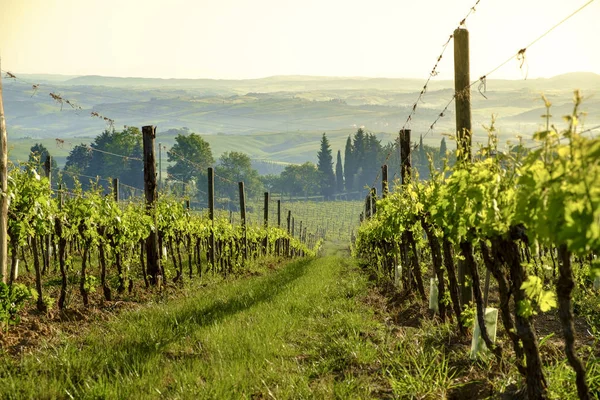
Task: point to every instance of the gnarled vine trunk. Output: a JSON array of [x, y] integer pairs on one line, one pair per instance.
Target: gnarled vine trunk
[[436, 258], [536, 382], [454, 292], [564, 287]]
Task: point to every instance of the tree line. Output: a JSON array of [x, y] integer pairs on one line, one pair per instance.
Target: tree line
[[118, 154]]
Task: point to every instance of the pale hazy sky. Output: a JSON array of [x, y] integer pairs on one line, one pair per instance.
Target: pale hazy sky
[[258, 38]]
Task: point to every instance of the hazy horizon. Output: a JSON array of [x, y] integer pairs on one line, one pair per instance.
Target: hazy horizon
[[283, 76], [236, 39]]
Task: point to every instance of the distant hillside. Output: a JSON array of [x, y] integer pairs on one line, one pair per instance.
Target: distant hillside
[[278, 118]]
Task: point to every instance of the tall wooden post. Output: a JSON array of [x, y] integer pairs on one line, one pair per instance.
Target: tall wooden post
[[266, 223], [373, 201], [266, 210], [48, 238], [287, 240], [243, 218], [211, 215], [116, 189], [3, 188], [384, 181], [279, 213], [462, 89], [405, 163], [48, 168], [159, 166], [152, 253]]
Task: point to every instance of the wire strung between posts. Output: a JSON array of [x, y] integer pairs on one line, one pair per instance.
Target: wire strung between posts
[[482, 80], [127, 158], [519, 55], [225, 179], [111, 121], [423, 91], [61, 142], [99, 178]]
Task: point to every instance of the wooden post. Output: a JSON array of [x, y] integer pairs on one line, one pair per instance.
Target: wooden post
[[152, 253], [462, 90], [266, 210], [243, 218], [61, 200], [266, 223], [279, 213], [3, 188], [116, 189], [211, 215], [384, 181], [289, 227], [48, 168], [159, 166], [373, 201], [405, 163], [48, 238]]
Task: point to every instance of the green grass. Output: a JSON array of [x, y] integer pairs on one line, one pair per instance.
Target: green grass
[[296, 332]]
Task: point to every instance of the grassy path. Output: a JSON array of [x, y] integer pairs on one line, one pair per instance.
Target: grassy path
[[296, 332]]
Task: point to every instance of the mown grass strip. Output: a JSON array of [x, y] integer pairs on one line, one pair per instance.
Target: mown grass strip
[[296, 332]]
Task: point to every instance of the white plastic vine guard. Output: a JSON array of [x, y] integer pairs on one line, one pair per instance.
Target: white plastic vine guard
[[433, 296], [491, 319], [397, 275]]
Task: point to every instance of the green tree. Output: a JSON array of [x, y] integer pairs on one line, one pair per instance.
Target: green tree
[[298, 180], [79, 157], [117, 154], [236, 167], [271, 182], [78, 160], [349, 165], [358, 150], [191, 156], [372, 160], [339, 173], [325, 167], [443, 149], [37, 156], [422, 155]]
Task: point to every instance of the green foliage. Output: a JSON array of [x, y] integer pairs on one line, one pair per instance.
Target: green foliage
[[300, 180], [339, 173], [325, 168], [12, 300], [536, 296], [236, 167], [191, 156], [552, 191]]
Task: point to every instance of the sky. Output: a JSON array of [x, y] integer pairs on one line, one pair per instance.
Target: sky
[[236, 39]]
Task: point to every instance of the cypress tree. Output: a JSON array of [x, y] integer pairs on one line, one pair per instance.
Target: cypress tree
[[325, 167], [443, 149], [339, 173], [422, 156], [349, 167]]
